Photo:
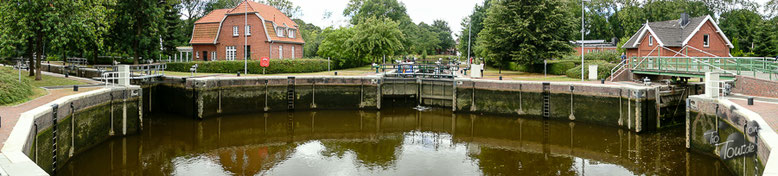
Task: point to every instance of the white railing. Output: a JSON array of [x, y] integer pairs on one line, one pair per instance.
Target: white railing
[[618, 68]]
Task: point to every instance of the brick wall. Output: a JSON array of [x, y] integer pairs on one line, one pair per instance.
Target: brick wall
[[755, 87], [718, 46]]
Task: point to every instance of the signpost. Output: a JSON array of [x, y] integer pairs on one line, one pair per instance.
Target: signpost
[[264, 63]]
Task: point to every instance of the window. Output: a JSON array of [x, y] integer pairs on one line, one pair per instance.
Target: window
[[292, 33], [235, 31], [205, 55], [280, 31], [650, 40], [213, 56], [248, 30], [280, 52], [248, 52], [197, 55], [292, 52], [230, 53], [705, 41]]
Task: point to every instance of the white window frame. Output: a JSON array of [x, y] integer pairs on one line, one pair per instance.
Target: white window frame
[[230, 54], [650, 40], [248, 30], [235, 31], [213, 56], [197, 55], [280, 31], [280, 52], [292, 52], [291, 33], [706, 40]]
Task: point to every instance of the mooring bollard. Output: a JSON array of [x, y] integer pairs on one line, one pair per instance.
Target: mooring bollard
[[336, 73], [75, 88], [238, 74], [750, 101], [500, 77], [602, 81]]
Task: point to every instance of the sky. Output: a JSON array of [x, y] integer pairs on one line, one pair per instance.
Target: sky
[[452, 11]]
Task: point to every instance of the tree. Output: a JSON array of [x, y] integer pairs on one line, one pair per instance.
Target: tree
[[334, 45], [423, 38], [310, 34], [220, 4], [359, 10], [137, 26], [766, 40], [476, 20], [741, 25], [444, 35], [172, 30], [374, 38], [513, 33]]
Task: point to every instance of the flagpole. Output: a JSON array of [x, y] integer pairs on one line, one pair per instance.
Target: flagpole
[[245, 40]]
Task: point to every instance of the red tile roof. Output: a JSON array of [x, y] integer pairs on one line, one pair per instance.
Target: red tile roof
[[206, 28]]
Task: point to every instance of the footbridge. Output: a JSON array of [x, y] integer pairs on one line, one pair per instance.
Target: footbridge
[[696, 67]]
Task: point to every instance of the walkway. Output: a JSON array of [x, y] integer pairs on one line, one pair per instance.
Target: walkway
[[10, 114], [765, 107]]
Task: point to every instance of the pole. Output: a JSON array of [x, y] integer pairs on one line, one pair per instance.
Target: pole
[[582, 40], [245, 40], [469, 36]]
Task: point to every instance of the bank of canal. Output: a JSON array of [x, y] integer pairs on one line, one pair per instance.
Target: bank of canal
[[393, 141]]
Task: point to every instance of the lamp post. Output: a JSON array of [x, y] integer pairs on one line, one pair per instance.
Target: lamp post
[[245, 40], [582, 39]]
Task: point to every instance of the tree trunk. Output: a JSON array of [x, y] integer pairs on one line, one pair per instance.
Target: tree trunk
[[30, 51], [39, 42]]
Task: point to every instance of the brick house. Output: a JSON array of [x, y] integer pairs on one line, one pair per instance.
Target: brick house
[[269, 33], [693, 37], [594, 46]]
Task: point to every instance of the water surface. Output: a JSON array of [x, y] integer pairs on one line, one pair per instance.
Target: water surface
[[394, 141]]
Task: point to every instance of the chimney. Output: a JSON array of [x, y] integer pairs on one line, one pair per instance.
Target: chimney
[[684, 19]]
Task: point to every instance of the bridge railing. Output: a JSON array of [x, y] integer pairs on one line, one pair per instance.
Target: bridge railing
[[764, 68]]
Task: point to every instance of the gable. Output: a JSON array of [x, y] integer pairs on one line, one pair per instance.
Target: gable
[[709, 22]]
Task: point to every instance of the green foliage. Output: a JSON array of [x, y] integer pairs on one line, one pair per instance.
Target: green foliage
[[741, 25], [365, 42], [423, 38], [441, 28], [276, 66], [766, 41], [471, 26], [513, 33], [11, 90], [360, 10], [603, 70], [137, 28], [608, 56], [554, 67], [334, 46], [311, 34]]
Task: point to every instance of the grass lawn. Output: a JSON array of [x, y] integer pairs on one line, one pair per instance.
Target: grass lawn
[[37, 91], [491, 72], [47, 80]]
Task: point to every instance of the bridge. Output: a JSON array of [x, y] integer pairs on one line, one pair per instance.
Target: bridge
[[696, 67]]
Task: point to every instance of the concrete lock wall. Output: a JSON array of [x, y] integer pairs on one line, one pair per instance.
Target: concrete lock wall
[[629, 107], [83, 121], [705, 115], [207, 97]]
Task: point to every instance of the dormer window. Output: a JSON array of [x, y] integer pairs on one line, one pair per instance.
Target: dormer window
[[280, 31], [235, 31], [292, 33]]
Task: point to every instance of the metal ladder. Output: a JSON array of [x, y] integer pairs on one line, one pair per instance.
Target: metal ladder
[[54, 110], [290, 93], [546, 101]]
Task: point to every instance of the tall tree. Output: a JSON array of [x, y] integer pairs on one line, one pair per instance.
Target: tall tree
[[334, 45], [513, 33], [137, 27], [444, 35], [766, 40], [172, 29], [310, 34], [742, 25], [376, 37], [473, 22]]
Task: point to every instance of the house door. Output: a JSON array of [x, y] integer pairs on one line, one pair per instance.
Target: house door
[[205, 55]]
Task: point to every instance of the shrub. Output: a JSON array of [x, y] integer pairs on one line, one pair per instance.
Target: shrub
[[11, 90], [603, 70], [276, 66], [554, 67], [610, 56]]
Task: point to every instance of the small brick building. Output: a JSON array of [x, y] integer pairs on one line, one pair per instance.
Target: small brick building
[[693, 37], [262, 29]]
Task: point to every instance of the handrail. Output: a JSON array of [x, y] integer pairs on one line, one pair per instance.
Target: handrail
[[641, 61], [618, 67]]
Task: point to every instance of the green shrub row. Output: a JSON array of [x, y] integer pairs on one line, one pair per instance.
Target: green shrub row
[[603, 70], [276, 66], [555, 67], [11, 90], [610, 56]]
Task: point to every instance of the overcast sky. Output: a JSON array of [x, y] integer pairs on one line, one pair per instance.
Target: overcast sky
[[426, 11]]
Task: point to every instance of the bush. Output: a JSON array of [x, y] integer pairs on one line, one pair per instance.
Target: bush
[[555, 67], [610, 56], [276, 66], [603, 70], [11, 90]]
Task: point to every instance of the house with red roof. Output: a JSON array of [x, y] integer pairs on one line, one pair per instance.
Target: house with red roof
[[261, 29], [685, 37]]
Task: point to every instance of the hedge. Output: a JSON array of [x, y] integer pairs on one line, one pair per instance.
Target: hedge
[[276, 66], [610, 56], [11, 90], [603, 70], [555, 67]]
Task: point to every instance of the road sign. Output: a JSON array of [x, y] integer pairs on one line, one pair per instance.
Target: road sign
[[265, 62]]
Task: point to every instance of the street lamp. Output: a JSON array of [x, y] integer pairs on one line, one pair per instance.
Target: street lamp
[[582, 38]]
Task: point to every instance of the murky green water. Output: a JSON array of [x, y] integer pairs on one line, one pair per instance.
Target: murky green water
[[395, 141]]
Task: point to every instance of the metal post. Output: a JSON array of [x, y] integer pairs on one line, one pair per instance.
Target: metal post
[[245, 40], [582, 40], [469, 36]]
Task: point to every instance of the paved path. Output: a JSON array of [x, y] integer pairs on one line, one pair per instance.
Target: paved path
[[768, 110], [10, 114]]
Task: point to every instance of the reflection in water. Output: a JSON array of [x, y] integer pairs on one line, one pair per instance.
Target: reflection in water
[[395, 141]]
